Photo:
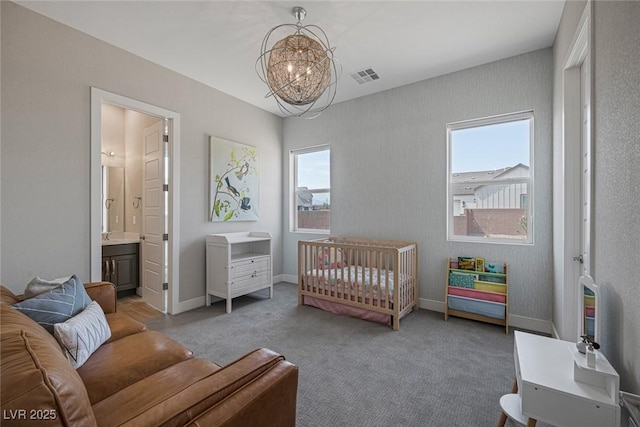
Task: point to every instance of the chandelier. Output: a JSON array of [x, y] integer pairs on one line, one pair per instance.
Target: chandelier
[[300, 69]]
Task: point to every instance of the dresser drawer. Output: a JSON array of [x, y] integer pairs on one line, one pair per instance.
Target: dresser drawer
[[248, 266], [250, 283]]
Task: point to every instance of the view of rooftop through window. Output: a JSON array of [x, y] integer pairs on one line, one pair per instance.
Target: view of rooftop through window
[[490, 178]]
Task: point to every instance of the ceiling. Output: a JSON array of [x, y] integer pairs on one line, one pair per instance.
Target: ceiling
[[217, 42]]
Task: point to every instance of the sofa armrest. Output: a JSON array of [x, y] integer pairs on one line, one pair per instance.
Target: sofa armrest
[[267, 401], [260, 385], [104, 293]]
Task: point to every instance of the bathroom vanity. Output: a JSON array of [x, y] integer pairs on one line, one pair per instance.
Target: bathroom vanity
[[121, 261]]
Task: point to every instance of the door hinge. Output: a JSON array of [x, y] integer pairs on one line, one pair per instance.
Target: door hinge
[[165, 286], [165, 187], [165, 138], [165, 237]]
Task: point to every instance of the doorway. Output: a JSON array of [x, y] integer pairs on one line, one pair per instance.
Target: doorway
[[577, 260], [166, 297]]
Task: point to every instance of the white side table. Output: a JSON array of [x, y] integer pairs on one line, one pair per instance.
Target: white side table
[[555, 386]]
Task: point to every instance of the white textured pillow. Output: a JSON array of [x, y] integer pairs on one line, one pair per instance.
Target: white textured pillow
[[39, 286], [81, 335]]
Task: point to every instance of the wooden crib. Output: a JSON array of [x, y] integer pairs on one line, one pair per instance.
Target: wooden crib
[[371, 279]]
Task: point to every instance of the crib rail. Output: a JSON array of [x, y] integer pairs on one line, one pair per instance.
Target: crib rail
[[376, 275]]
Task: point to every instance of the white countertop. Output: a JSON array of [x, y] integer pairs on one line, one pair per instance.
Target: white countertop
[[120, 238]]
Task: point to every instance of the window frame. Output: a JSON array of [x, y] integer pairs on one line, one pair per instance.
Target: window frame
[[293, 192], [529, 181]]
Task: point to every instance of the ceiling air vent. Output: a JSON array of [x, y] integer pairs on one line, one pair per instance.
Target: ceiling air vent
[[364, 76]]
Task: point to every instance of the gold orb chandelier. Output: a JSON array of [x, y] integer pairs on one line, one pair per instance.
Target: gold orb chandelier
[[300, 69]]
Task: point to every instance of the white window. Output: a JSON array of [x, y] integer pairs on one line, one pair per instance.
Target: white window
[[311, 193], [490, 179]]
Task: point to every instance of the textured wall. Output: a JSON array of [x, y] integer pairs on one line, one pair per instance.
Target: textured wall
[[47, 72], [617, 183], [388, 161]]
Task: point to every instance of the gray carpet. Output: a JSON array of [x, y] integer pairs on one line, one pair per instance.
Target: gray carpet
[[358, 373]]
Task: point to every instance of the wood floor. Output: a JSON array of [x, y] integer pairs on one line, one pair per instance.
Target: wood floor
[[136, 308]]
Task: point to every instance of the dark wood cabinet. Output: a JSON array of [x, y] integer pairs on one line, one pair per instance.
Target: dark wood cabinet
[[120, 265]]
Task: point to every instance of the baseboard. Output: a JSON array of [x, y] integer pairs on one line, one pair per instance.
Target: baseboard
[[515, 321], [289, 278], [530, 324], [429, 304], [554, 332], [520, 322], [183, 306]]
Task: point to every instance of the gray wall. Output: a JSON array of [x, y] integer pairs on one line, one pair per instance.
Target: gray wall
[[388, 161], [617, 183], [47, 72]]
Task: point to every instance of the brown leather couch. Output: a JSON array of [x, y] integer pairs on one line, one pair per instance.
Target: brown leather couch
[[137, 378]]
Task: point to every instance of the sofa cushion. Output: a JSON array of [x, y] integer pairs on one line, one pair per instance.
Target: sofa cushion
[[56, 306], [39, 286], [81, 335], [36, 375], [118, 364]]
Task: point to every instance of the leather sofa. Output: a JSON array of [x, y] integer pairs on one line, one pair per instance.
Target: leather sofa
[[136, 378]]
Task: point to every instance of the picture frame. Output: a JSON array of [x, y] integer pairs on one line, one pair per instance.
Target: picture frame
[[234, 184]]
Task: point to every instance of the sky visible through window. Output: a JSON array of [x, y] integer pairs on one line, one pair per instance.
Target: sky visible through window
[[490, 147], [314, 173], [313, 170]]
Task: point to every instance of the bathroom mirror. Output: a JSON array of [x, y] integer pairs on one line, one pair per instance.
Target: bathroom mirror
[[589, 308], [112, 199]]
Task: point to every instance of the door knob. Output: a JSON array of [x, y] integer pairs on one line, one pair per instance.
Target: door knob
[[579, 258]]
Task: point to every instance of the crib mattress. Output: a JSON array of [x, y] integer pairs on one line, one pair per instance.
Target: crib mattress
[[485, 308], [352, 278]]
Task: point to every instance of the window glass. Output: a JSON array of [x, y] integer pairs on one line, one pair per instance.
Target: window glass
[[311, 189], [490, 179]]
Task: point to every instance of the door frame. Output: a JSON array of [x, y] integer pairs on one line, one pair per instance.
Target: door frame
[[98, 97], [580, 50]]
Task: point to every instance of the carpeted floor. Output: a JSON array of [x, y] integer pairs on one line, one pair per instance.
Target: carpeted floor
[[358, 373]]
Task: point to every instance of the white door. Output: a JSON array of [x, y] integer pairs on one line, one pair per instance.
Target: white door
[[575, 258], [585, 153], [153, 222]]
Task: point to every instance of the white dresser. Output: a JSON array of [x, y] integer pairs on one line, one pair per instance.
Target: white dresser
[[238, 264]]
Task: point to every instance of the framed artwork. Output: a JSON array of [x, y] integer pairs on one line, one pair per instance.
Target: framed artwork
[[234, 185]]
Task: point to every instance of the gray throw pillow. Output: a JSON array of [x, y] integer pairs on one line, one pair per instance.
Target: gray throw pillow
[[39, 286], [57, 305], [81, 335]]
